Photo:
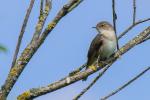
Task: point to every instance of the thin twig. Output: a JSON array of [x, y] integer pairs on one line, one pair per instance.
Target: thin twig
[[92, 83], [134, 11], [35, 92], [64, 10], [126, 84], [41, 7], [22, 32], [114, 15], [42, 18], [114, 20], [132, 26]]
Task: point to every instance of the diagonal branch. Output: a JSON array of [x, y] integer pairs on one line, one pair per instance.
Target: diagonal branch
[[91, 84], [35, 92], [147, 38], [77, 70], [31, 49], [132, 26], [22, 32], [126, 84]]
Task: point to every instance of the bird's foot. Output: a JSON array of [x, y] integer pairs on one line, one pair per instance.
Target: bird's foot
[[92, 67]]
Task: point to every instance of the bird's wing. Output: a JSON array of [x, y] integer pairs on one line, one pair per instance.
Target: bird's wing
[[93, 52]]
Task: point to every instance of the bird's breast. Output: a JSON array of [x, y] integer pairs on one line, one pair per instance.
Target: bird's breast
[[107, 48]]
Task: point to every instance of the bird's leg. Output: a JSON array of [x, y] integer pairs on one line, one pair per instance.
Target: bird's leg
[[94, 66]]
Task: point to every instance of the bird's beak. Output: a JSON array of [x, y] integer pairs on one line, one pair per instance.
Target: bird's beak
[[93, 27]]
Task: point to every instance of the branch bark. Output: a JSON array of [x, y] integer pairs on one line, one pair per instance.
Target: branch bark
[[42, 18], [35, 92], [147, 38], [22, 32]]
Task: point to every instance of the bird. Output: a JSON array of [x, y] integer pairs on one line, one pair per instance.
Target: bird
[[103, 45], [101, 48]]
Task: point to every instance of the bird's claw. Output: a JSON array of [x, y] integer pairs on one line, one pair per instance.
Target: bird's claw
[[92, 67]]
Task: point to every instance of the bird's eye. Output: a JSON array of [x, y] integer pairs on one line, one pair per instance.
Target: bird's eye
[[102, 25]]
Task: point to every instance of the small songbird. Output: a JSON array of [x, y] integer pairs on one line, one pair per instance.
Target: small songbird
[[103, 45]]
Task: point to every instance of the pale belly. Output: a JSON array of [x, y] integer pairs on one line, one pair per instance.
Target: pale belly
[[107, 49]]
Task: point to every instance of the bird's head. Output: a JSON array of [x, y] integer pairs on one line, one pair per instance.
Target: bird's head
[[106, 29], [104, 26]]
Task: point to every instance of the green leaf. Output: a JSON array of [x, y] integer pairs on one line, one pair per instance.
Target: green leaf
[[2, 49]]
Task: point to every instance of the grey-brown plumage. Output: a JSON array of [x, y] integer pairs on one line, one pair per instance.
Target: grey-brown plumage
[[103, 45], [93, 52]]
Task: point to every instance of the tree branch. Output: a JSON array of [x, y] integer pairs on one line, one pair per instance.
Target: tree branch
[[22, 32], [31, 48], [35, 92], [132, 26], [134, 11], [126, 84], [147, 38], [92, 83], [41, 7], [65, 10], [114, 15], [114, 20], [42, 18], [77, 70], [2, 95]]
